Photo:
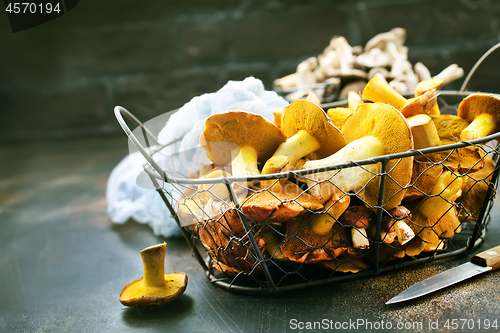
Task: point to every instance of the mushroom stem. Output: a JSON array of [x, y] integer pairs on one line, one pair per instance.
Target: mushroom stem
[[359, 238], [153, 259], [424, 131], [347, 179], [296, 147], [244, 161], [447, 189], [378, 90], [483, 125]]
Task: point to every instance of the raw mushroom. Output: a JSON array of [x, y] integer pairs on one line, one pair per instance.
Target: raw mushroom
[[483, 111], [378, 90], [346, 61], [241, 139], [460, 160], [449, 126], [436, 216], [474, 190], [281, 202], [302, 244], [429, 85], [156, 288], [396, 226], [307, 129], [423, 179], [424, 131], [359, 218], [391, 42], [422, 72], [374, 129], [321, 223]]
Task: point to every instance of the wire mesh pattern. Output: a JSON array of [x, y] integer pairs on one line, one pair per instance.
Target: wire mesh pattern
[[269, 233]]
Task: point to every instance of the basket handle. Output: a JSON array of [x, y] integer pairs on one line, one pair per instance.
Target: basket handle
[[477, 64], [119, 112]]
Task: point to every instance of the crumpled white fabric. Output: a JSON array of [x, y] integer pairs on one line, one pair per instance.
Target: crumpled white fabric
[[127, 200]]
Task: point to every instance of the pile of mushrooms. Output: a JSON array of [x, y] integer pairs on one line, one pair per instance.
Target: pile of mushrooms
[[351, 67], [327, 216]]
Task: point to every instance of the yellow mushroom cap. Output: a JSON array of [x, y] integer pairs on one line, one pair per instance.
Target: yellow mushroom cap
[[225, 130], [389, 126], [307, 116], [477, 104], [155, 288]]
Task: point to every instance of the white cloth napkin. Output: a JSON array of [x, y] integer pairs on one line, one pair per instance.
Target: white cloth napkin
[[127, 200]]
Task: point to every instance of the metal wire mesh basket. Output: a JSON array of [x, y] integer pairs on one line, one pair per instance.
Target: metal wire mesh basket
[[273, 248]]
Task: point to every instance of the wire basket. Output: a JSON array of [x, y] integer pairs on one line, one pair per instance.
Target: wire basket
[[249, 248]]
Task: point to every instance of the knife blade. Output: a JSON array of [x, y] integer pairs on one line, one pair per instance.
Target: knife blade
[[485, 261]]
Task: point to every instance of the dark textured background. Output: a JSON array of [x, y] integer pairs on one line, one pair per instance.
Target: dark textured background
[[62, 79]]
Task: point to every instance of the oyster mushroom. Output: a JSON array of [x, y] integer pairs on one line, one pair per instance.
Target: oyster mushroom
[[374, 129], [156, 288], [483, 111]]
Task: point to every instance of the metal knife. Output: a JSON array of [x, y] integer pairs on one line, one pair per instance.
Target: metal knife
[[488, 260]]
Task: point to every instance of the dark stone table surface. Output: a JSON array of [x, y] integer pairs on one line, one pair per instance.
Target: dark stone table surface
[[63, 264]]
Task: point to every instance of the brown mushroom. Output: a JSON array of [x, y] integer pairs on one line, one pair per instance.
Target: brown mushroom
[[346, 263], [281, 202], [231, 138], [374, 129], [227, 242], [359, 218], [302, 244], [395, 226], [483, 111], [338, 115], [156, 288], [307, 129]]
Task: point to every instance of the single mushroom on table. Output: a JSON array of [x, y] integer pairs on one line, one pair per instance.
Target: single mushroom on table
[[483, 111], [156, 288], [307, 129], [374, 129]]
